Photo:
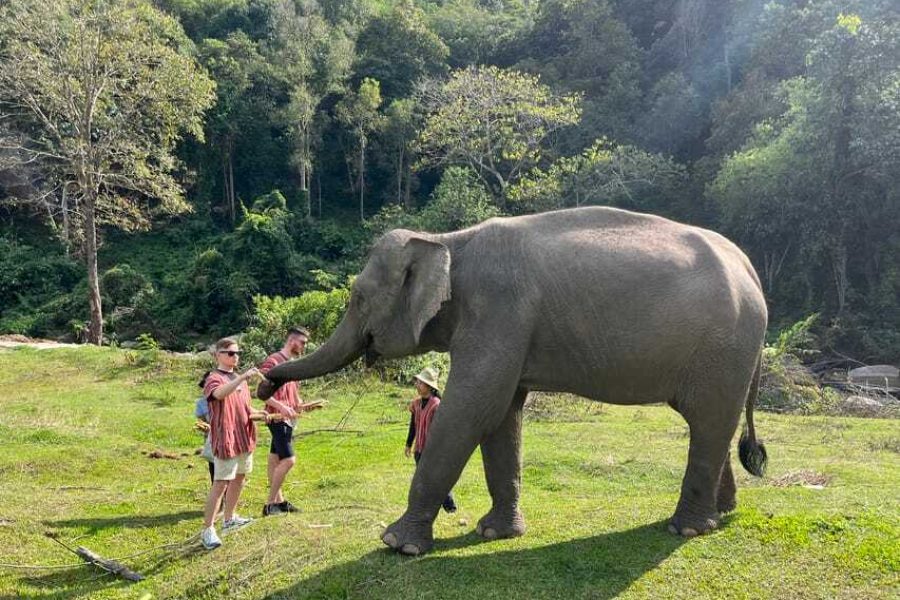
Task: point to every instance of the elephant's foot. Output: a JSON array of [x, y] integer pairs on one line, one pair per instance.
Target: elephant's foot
[[498, 525], [692, 524], [408, 536], [726, 503]]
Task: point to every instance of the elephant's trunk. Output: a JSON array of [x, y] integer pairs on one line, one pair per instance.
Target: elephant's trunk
[[344, 346]]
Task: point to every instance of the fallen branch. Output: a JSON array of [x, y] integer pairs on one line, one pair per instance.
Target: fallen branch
[[108, 565]]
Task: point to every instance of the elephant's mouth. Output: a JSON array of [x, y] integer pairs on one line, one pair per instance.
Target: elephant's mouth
[[371, 355]]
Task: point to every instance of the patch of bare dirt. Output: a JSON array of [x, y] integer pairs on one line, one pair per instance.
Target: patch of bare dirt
[[804, 477], [13, 340]]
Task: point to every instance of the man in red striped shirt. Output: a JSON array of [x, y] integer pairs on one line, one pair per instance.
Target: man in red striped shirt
[[285, 402], [233, 437]]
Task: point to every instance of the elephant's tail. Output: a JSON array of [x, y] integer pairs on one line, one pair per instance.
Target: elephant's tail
[[752, 452]]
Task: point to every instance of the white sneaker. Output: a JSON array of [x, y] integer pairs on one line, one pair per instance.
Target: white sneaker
[[209, 539], [235, 523]]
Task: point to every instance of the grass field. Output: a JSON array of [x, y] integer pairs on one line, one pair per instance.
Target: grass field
[[600, 481]]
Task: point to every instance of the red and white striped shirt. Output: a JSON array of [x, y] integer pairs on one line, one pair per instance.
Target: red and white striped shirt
[[289, 393], [422, 417], [230, 428]]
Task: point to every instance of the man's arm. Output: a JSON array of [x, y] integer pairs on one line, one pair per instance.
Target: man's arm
[[223, 390]]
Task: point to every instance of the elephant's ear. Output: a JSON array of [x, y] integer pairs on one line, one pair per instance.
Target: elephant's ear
[[427, 281]]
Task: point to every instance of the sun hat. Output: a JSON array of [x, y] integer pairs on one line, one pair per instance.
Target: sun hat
[[428, 376]]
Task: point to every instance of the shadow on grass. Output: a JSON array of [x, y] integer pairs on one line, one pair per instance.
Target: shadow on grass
[[602, 566], [131, 522]]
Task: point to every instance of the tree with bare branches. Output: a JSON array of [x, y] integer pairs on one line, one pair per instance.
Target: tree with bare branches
[[94, 96]]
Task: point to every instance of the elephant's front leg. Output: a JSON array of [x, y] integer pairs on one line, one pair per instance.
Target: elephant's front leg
[[501, 452], [477, 399], [450, 443]]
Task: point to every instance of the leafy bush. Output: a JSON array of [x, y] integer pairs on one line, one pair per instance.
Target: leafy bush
[[38, 289], [320, 312], [459, 201], [787, 385]]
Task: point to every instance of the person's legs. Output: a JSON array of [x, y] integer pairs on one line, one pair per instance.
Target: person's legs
[[213, 501], [277, 479], [283, 450], [233, 495]]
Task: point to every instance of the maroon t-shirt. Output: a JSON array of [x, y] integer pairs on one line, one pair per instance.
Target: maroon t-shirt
[[230, 428], [288, 394]]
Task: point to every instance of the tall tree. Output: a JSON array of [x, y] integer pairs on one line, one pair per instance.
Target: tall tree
[[236, 65], [358, 111], [314, 57], [400, 129], [98, 94], [496, 121]]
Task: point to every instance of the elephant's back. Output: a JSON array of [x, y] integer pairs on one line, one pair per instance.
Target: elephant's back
[[620, 292]]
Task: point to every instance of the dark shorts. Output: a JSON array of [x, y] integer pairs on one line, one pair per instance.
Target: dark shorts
[[282, 440]]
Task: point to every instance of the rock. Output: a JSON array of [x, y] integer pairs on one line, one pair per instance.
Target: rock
[[876, 375], [860, 406]]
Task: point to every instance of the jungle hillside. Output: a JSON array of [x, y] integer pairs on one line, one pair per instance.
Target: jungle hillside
[[176, 170]]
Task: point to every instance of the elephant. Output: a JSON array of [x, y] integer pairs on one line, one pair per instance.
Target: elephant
[[612, 305]]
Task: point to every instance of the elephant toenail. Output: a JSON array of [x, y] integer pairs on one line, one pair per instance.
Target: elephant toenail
[[490, 533], [410, 549], [673, 529], [689, 532], [390, 539]]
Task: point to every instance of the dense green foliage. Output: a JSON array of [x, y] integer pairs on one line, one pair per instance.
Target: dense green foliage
[[774, 122]]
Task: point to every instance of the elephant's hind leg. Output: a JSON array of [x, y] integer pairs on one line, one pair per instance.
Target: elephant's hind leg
[[708, 485], [726, 496], [501, 452]]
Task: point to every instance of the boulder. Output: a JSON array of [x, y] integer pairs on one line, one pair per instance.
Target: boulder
[[860, 406]]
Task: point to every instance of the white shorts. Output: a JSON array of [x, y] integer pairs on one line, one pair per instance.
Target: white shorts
[[226, 469]]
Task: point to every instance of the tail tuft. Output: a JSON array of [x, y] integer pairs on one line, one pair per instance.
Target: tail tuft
[[752, 454]]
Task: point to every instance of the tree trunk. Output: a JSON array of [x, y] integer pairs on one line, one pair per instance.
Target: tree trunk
[[319, 192], [65, 215], [231, 187], [95, 329], [400, 177], [407, 191], [362, 178], [839, 270]]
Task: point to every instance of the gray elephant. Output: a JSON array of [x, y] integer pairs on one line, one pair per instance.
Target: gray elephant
[[608, 304]]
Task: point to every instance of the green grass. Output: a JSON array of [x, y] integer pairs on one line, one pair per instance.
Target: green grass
[[599, 484]]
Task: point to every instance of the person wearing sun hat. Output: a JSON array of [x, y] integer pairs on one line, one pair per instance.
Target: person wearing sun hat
[[422, 410]]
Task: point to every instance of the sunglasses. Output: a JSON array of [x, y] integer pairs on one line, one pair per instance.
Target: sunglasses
[[230, 352]]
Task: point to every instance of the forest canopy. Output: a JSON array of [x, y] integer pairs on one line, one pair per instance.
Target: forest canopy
[[163, 163]]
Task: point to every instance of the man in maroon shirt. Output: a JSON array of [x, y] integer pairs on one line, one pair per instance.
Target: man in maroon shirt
[[285, 402], [233, 437]]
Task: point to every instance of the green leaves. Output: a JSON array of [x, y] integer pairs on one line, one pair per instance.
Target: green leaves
[[496, 121]]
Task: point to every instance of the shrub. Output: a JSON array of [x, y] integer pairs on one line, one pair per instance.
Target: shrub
[[459, 201], [321, 311]]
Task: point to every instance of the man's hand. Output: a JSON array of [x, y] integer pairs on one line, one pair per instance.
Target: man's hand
[[407, 452], [250, 373]]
